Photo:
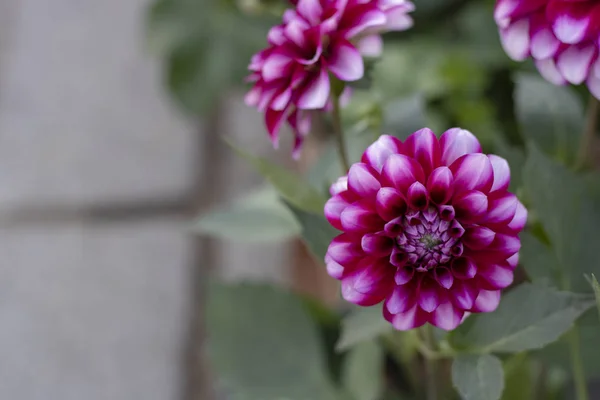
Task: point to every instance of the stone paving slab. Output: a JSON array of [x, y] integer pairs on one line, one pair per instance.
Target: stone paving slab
[[95, 313], [84, 118]]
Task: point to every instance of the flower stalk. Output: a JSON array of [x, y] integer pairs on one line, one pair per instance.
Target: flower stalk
[[586, 146], [339, 132], [579, 379], [430, 363]]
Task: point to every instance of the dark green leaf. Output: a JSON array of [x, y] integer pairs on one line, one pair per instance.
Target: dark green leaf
[[361, 325], [539, 261], [528, 317], [561, 201], [478, 377], [263, 345], [289, 185], [362, 375], [549, 115], [317, 233], [596, 287], [256, 217], [518, 376]]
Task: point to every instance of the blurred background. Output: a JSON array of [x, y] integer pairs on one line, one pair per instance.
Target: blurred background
[[110, 118]]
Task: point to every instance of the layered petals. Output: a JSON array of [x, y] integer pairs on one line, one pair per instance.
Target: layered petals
[[429, 229]]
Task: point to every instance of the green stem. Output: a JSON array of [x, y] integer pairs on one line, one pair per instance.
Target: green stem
[[339, 133], [430, 363], [586, 147], [577, 364]]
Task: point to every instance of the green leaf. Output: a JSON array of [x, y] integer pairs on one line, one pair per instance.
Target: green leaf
[[289, 185], [263, 344], [207, 45], [551, 116], [401, 117], [362, 325], [362, 375], [596, 286], [561, 200], [539, 260], [478, 377], [317, 233], [256, 217], [528, 317], [518, 376]]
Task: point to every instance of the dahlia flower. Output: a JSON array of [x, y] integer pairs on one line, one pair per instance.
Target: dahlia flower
[[429, 228], [562, 36], [318, 38]]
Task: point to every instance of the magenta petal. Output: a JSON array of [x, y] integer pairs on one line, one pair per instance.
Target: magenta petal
[[394, 227], [463, 294], [334, 269], [501, 173], [470, 205], [310, 9], [359, 19], [362, 180], [417, 197], [370, 46], [316, 93], [497, 276], [344, 250], [398, 258], [429, 294], [276, 66], [404, 275], [464, 268], [571, 23], [520, 219], [446, 316], [389, 203], [473, 172], [377, 153], [444, 277], [281, 100], [487, 301], [401, 299], [447, 213], [333, 209], [544, 43], [508, 245], [575, 63], [439, 185], [410, 319], [377, 244], [273, 120], [549, 71], [513, 260], [478, 237], [400, 171], [423, 146], [456, 230], [339, 186], [502, 208], [515, 39], [457, 142], [359, 217], [345, 61]]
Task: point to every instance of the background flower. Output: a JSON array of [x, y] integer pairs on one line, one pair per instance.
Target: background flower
[[560, 35], [317, 39], [428, 227]]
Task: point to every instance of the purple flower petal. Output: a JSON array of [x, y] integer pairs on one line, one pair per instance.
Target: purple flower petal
[[410, 319], [457, 142], [478, 237], [389, 203], [464, 268], [400, 171], [333, 209], [515, 40], [370, 46], [576, 61], [496, 276], [502, 208], [463, 294], [344, 250], [377, 244], [444, 277], [501, 172], [417, 196], [429, 294], [345, 61], [404, 275], [473, 172], [550, 72], [487, 301], [310, 9], [401, 299], [363, 180], [316, 93], [359, 217], [520, 219], [440, 185], [471, 205], [423, 146], [377, 154], [446, 316]]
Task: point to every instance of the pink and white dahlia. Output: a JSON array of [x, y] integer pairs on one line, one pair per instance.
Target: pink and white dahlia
[[429, 228], [562, 36], [318, 38]]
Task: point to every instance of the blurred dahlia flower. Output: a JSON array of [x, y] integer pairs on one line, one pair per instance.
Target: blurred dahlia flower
[[562, 36], [428, 227], [317, 38]]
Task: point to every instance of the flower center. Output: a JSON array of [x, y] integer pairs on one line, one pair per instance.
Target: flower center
[[428, 239]]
